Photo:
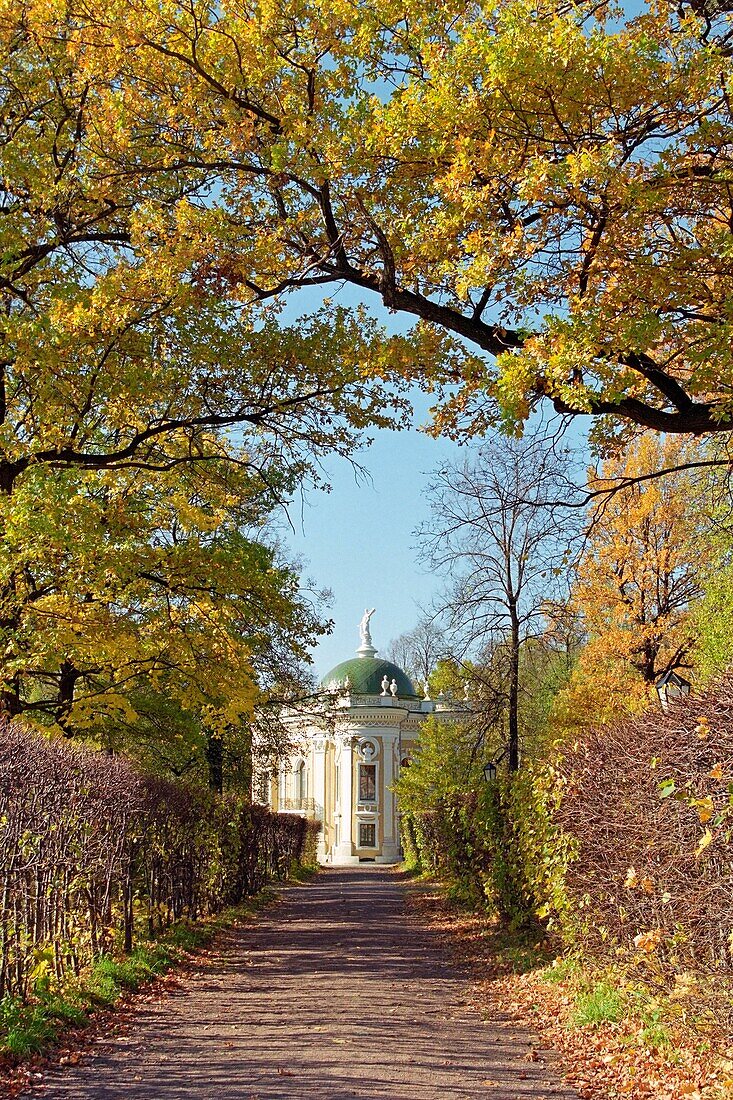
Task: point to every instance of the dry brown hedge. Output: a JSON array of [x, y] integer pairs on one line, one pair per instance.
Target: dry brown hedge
[[92, 850], [639, 799]]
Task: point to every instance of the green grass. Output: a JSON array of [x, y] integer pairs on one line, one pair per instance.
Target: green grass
[[563, 969], [25, 1028], [606, 1003], [600, 1005], [649, 1010], [302, 873], [29, 1027], [110, 975]]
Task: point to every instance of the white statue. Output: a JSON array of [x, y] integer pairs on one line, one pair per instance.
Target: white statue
[[364, 634], [385, 685], [393, 688]]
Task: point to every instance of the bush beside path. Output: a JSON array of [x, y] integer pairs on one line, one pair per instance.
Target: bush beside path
[[336, 993]]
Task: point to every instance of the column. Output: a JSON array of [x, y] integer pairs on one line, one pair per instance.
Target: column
[[344, 852], [391, 845], [319, 792]]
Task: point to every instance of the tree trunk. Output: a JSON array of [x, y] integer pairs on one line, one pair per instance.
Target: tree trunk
[[68, 675], [514, 690], [247, 767], [215, 760]]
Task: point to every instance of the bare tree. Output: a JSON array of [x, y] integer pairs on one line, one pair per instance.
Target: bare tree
[[504, 550], [418, 651]]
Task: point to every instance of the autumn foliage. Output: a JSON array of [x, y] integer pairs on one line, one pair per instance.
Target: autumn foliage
[[619, 844], [94, 852], [648, 805]]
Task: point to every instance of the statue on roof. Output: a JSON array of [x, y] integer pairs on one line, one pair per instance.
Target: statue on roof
[[364, 633]]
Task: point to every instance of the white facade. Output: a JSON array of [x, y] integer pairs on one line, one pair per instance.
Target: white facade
[[347, 755]]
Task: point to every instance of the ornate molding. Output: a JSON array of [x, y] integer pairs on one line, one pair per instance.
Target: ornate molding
[[390, 723]]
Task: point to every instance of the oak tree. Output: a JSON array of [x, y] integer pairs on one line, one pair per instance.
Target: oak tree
[[149, 421], [545, 188], [129, 605]]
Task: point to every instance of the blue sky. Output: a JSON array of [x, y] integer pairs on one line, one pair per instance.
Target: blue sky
[[359, 539]]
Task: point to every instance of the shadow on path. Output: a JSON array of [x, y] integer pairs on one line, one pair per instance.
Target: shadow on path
[[333, 994]]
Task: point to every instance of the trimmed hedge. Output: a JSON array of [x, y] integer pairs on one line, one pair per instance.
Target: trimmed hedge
[[648, 804], [622, 841], [91, 850]]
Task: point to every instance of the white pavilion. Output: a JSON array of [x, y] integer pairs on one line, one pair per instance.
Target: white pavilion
[[348, 753]]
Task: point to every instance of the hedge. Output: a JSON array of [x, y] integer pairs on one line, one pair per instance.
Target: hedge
[[93, 852]]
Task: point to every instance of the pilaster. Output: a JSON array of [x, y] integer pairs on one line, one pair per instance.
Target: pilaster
[[344, 850], [319, 792]]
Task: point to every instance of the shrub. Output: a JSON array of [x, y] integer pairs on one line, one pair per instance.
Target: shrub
[[90, 848], [647, 804], [498, 842]]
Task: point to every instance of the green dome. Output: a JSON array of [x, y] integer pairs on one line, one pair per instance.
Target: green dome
[[366, 674]]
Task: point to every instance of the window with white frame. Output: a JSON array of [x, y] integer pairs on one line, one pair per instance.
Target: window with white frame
[[367, 834]]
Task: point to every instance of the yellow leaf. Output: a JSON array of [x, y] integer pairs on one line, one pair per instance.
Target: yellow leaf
[[702, 729]]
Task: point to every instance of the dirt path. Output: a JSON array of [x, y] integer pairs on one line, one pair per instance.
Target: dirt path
[[335, 993]]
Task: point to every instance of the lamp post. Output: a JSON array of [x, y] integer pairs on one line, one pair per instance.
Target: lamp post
[[490, 771], [492, 768], [671, 687]]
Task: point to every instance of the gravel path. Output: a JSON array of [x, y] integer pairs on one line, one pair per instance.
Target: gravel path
[[334, 993]]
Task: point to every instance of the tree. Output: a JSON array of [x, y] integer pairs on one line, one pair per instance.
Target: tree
[[646, 561], [713, 620], [117, 352], [117, 347], [135, 604], [150, 420], [713, 614], [418, 651], [546, 189], [493, 534]]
